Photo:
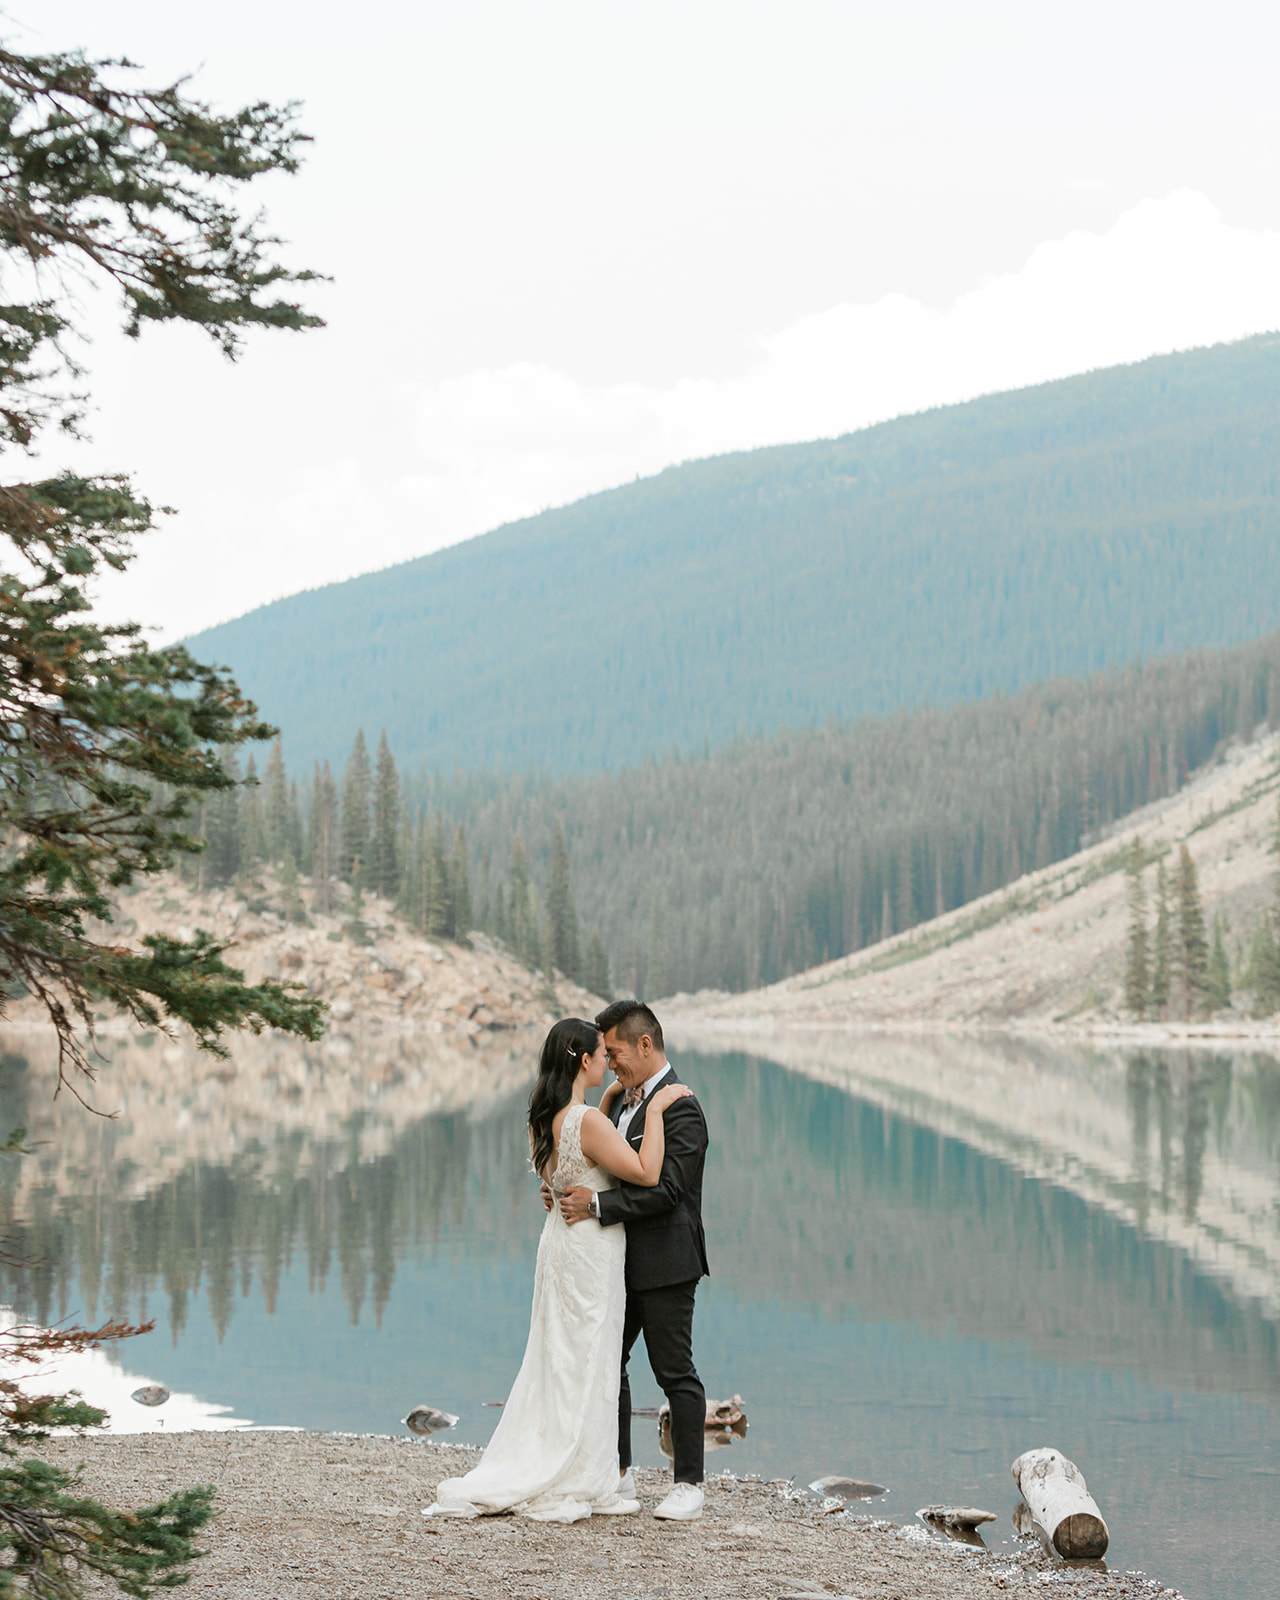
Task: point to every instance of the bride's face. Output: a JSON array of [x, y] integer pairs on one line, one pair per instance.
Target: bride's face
[[594, 1065]]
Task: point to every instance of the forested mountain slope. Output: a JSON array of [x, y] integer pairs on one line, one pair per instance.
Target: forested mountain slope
[[933, 559], [1050, 952], [733, 870]]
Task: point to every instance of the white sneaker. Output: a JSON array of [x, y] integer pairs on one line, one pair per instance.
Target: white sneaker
[[627, 1486], [683, 1504]]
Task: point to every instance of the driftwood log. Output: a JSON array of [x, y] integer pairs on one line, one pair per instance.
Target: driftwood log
[[1059, 1500]]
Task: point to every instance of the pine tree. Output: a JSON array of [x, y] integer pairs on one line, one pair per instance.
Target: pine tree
[[1217, 994], [655, 968], [323, 836], [222, 830], [355, 927], [596, 970], [1137, 975], [249, 822], [384, 864], [295, 835], [484, 916], [435, 893], [406, 889], [460, 887], [290, 895], [1263, 968], [1162, 966], [501, 927], [547, 964], [355, 840], [524, 935], [1265, 956], [275, 804], [1192, 949], [561, 911]]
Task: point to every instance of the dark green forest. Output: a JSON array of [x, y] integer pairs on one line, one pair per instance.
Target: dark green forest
[[932, 560], [760, 859]]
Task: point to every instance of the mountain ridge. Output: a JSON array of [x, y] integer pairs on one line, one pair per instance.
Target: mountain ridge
[[932, 559]]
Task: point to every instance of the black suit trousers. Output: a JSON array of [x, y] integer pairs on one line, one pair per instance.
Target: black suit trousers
[[665, 1317]]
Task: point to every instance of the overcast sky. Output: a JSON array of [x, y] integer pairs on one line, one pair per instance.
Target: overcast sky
[[572, 243]]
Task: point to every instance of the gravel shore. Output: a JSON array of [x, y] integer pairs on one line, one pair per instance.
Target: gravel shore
[[314, 1514]]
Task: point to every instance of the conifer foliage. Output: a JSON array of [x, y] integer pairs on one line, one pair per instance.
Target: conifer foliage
[[1192, 945], [384, 862], [110, 749], [1162, 965], [562, 915], [1137, 975], [107, 746], [740, 867], [356, 843], [1217, 990], [1182, 965]]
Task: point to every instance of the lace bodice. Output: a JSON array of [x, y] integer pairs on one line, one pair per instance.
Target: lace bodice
[[573, 1169]]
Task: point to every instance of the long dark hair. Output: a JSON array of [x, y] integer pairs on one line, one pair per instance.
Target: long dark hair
[[562, 1054]]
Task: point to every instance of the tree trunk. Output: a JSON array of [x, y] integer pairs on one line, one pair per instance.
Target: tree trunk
[[1059, 1500]]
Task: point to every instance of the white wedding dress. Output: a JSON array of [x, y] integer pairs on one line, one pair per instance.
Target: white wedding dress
[[554, 1453]]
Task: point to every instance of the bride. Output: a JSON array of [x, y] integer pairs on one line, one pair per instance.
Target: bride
[[554, 1453]]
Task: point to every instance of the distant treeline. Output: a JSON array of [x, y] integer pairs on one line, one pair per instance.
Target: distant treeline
[[742, 866]]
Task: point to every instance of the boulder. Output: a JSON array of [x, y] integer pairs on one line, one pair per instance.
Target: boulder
[[151, 1394], [847, 1488]]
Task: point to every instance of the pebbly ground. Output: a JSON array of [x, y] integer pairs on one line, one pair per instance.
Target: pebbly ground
[[332, 1515]]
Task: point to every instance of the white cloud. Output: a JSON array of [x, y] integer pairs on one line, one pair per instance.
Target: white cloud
[[457, 457]]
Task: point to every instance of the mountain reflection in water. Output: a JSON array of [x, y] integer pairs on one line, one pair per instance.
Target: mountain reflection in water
[[928, 1256]]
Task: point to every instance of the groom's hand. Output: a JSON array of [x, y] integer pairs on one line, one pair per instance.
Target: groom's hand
[[575, 1205], [547, 1197]]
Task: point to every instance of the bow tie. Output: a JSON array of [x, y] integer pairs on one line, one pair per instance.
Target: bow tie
[[633, 1097]]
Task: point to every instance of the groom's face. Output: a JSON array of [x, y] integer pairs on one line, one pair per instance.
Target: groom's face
[[632, 1063]]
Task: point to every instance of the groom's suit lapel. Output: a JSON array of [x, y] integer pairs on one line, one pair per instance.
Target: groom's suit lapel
[[635, 1128]]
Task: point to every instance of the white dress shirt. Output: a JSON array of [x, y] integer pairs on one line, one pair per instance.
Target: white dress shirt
[[649, 1085], [624, 1122]]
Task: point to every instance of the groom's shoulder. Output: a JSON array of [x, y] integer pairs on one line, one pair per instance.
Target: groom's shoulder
[[690, 1103]]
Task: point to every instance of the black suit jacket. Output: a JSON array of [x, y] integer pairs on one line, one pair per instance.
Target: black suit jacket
[[665, 1239]]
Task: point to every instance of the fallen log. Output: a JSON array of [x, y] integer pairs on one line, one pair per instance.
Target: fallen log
[[1059, 1501], [966, 1518]]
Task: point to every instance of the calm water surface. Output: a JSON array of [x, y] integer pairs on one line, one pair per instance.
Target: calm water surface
[[926, 1259]]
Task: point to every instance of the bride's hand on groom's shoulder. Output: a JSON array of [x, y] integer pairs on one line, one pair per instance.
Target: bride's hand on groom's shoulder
[[669, 1094]]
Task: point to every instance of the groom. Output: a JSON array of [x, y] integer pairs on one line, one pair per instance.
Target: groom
[[666, 1248]]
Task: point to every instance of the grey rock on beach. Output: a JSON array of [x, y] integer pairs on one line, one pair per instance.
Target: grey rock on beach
[[151, 1394], [847, 1488], [426, 1420]]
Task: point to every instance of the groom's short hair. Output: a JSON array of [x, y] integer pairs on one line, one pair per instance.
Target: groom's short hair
[[632, 1019]]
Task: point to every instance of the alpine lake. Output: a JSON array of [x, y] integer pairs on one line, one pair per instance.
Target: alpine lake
[[928, 1256]]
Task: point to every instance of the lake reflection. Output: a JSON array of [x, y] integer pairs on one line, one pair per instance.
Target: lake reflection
[[928, 1256]]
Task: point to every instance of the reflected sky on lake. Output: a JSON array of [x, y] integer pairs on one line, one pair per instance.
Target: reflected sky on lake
[[928, 1256]]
